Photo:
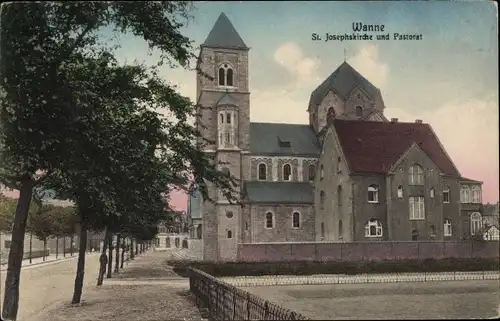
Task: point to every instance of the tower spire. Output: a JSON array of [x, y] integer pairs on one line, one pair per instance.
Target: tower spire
[[345, 54]]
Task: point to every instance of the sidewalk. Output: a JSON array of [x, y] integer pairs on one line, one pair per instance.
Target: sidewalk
[[51, 259]]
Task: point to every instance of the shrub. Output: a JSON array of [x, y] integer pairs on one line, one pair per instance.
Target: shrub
[[334, 267]]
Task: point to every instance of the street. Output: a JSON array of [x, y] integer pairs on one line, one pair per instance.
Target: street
[[47, 284]]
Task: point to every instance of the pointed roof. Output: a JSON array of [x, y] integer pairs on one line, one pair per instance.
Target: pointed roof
[[374, 147], [224, 35], [343, 80], [226, 100]]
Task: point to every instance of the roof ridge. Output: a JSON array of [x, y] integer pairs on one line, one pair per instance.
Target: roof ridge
[[224, 35]]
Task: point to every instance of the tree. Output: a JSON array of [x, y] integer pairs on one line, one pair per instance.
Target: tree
[[52, 65], [7, 210], [41, 223]]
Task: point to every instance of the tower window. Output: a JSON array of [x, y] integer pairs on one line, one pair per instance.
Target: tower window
[[226, 75], [229, 77], [222, 78], [228, 118]]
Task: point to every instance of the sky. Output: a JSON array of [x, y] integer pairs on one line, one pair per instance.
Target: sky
[[448, 79]]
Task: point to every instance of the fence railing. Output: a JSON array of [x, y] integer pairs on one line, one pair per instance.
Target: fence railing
[[223, 301]]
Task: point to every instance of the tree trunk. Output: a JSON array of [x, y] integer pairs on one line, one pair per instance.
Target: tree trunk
[[57, 246], [11, 298], [110, 257], [80, 268], [102, 258], [44, 248], [123, 256], [31, 246], [136, 247], [131, 249], [71, 245], [117, 261], [64, 246]]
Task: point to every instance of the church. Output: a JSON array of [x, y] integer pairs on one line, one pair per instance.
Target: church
[[350, 175]]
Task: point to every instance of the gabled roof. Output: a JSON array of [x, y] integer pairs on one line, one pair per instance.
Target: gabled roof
[[226, 100], [268, 139], [224, 35], [279, 192], [343, 80], [373, 147]]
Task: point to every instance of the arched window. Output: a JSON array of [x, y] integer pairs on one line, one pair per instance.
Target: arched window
[[226, 75], [229, 77], [330, 112], [372, 194], [269, 220], [296, 220], [446, 195], [221, 118], [447, 228], [246, 226], [475, 223], [373, 228], [400, 191], [476, 194], [432, 192], [339, 195], [321, 172], [228, 118], [465, 194], [339, 165], [414, 235], [312, 170], [359, 111], [321, 200], [416, 175], [262, 169], [432, 231], [287, 172], [222, 77], [229, 234], [322, 231]]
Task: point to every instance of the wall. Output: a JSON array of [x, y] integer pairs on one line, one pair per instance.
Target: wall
[[283, 230], [366, 251]]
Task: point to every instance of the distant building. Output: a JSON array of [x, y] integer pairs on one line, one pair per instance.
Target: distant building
[[194, 210]]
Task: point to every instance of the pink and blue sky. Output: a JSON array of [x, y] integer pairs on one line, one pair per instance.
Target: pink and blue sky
[[448, 79]]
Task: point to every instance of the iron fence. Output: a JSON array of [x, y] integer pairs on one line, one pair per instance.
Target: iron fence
[[223, 301]]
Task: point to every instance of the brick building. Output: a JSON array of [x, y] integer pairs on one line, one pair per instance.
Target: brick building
[[350, 175]]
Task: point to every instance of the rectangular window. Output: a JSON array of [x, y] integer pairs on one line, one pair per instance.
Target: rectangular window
[[417, 208], [446, 196]]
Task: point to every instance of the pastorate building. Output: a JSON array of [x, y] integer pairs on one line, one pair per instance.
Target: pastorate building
[[350, 175]]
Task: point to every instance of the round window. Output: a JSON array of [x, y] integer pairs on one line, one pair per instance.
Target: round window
[[229, 214]]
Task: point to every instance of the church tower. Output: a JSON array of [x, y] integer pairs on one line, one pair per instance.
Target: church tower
[[224, 120]]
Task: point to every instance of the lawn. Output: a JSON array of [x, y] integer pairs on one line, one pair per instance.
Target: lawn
[[426, 300]]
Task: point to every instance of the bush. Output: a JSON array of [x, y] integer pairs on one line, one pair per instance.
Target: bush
[[333, 267]]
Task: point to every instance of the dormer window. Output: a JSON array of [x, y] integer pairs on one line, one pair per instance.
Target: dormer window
[[226, 75], [359, 111], [284, 143]]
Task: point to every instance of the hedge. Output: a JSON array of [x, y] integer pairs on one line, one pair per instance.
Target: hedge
[[334, 267], [35, 254]]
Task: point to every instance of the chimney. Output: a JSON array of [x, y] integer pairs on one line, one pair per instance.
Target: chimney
[[394, 120], [418, 121]]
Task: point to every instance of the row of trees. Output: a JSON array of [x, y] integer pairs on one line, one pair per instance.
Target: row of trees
[[76, 121]]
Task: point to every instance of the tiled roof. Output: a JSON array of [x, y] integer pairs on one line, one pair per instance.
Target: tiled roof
[[468, 180], [224, 35], [343, 80], [265, 139], [279, 192], [373, 147]]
